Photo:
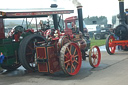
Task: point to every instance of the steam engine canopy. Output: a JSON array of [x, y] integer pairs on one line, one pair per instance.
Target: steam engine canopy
[[121, 31]]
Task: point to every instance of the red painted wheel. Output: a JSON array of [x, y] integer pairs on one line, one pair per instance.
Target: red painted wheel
[[109, 47], [70, 58], [94, 56]]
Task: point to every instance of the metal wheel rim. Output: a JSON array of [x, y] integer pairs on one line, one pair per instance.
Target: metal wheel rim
[[112, 49], [98, 37], [94, 56], [32, 59], [72, 59]]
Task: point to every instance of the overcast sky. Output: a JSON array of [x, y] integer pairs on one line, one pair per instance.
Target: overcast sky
[[90, 7]]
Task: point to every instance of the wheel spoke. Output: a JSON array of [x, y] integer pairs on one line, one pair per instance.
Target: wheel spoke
[[35, 40], [95, 56], [93, 51], [70, 47], [66, 56], [69, 51], [74, 52], [67, 66], [76, 61], [96, 52], [94, 61], [67, 61], [75, 55], [30, 47], [71, 58], [73, 67], [111, 48]]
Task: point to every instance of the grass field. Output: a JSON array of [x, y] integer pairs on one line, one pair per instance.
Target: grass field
[[98, 42]]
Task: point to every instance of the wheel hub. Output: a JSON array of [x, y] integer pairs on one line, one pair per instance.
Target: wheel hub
[[95, 56], [72, 58]]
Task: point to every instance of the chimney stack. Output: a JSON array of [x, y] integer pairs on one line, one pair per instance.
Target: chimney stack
[[80, 18], [55, 16], [121, 10]]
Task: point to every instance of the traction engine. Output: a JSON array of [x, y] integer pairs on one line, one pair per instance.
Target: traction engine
[[64, 50], [54, 50], [120, 33]]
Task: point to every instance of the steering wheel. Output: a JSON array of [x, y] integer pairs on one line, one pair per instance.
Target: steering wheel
[[16, 29], [49, 33]]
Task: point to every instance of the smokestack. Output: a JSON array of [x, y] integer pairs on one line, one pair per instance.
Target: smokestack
[[80, 18], [121, 8], [55, 16], [76, 3], [54, 6]]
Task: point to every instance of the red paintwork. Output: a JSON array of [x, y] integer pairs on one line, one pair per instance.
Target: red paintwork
[[67, 30], [71, 18], [36, 13], [119, 42], [2, 35], [114, 43], [111, 45], [57, 35], [41, 54], [96, 57], [53, 59], [17, 36], [52, 34], [70, 59], [58, 41], [63, 40]]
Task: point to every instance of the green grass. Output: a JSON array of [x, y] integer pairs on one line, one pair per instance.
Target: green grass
[[97, 42]]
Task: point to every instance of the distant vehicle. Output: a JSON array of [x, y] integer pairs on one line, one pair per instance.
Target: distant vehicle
[[119, 36], [101, 34]]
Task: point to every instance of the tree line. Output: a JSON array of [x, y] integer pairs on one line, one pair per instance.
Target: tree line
[[101, 20]]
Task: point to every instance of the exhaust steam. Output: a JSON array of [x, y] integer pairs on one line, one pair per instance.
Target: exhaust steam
[[76, 3]]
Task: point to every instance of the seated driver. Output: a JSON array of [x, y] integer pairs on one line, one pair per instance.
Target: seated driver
[[74, 28], [43, 25]]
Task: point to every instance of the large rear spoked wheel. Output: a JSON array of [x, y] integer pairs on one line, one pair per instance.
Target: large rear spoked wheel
[[27, 51], [109, 47], [94, 56], [70, 58]]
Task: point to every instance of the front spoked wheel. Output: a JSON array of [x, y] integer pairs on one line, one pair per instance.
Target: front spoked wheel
[[70, 58], [94, 56], [109, 46]]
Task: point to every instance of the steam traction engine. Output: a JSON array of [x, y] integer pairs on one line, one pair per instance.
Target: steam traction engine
[[120, 33], [55, 49], [64, 50], [13, 39]]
